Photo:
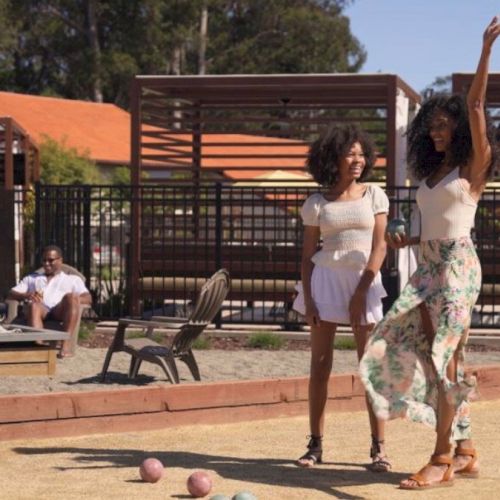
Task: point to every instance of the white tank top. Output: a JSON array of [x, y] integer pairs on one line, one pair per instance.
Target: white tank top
[[447, 210]]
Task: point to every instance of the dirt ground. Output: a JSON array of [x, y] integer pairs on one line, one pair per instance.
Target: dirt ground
[[256, 456]]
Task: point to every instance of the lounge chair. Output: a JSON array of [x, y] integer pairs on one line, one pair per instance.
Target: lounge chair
[[15, 313], [144, 348]]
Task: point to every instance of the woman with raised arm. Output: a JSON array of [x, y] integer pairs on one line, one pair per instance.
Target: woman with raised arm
[[341, 282], [413, 363]]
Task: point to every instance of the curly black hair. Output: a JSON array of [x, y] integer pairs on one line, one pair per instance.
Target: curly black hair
[[422, 156], [325, 153]]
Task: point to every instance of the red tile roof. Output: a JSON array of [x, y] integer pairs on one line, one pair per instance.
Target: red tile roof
[[103, 130]]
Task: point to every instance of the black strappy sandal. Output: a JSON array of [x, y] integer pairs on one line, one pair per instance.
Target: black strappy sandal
[[379, 461], [314, 454]]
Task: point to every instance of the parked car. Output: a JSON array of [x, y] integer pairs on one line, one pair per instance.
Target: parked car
[[105, 255]]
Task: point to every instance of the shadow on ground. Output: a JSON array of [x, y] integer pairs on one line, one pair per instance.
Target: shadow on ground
[[272, 472], [114, 378]]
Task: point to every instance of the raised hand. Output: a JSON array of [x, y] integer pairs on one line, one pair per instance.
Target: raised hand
[[491, 33], [396, 240]]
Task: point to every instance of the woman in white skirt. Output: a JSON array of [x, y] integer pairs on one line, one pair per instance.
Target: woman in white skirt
[[341, 282]]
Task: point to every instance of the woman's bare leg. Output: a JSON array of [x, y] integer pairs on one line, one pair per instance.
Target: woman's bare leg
[[377, 426], [322, 339], [461, 461], [445, 413]]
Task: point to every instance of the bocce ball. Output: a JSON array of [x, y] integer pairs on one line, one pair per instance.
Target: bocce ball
[[199, 484], [244, 495], [151, 470]]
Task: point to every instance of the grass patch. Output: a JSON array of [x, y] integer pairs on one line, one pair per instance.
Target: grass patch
[[202, 343], [86, 330], [345, 344], [266, 340], [159, 338]]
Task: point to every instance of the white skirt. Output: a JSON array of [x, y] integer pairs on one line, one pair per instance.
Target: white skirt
[[332, 290]]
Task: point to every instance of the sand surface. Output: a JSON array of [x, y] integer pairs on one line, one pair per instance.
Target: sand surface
[[82, 373], [256, 456]]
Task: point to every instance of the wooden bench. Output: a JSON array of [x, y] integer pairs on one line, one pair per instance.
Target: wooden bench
[[258, 272]]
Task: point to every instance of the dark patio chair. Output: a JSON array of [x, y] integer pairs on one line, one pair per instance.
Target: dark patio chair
[[144, 348]]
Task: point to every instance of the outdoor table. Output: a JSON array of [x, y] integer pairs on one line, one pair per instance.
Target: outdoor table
[[21, 355]]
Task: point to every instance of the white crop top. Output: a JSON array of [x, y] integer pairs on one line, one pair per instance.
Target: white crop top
[[346, 227], [447, 210]]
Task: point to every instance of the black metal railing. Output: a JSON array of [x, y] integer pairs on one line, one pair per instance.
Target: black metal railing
[[146, 250]]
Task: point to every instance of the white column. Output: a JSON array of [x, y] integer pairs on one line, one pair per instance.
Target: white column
[[18, 231], [406, 257]]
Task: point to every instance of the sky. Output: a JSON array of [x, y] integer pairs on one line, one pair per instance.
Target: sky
[[419, 40]]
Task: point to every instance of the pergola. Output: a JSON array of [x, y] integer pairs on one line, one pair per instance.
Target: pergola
[[204, 128], [193, 124], [462, 81], [21, 163]]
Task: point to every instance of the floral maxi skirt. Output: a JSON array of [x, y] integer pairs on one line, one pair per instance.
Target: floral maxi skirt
[[401, 371]]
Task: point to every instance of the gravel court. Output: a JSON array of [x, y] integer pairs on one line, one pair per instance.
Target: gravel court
[[256, 456], [82, 373]]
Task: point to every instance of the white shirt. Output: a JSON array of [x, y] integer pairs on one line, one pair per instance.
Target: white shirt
[[54, 289], [346, 227]]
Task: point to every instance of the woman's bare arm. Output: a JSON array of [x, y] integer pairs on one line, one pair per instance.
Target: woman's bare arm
[[357, 306], [309, 248], [481, 158]]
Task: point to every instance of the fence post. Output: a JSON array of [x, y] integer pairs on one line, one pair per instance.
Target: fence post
[[218, 238], [38, 219], [87, 197]]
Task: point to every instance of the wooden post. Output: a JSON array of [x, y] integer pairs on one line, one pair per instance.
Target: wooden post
[[9, 158], [7, 241], [135, 217]]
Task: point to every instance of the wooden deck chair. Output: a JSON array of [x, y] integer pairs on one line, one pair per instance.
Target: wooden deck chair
[[207, 305], [15, 313]]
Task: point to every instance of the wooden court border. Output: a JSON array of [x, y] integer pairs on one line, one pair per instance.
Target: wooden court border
[[63, 414]]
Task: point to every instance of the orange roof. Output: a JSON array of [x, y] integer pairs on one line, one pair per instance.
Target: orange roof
[[239, 156], [101, 129], [104, 131]]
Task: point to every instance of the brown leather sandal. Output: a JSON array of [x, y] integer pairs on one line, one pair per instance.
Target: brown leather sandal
[[314, 454], [468, 470], [422, 483]]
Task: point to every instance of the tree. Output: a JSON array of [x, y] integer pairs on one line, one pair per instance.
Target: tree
[[282, 36], [90, 49], [441, 85], [60, 164]]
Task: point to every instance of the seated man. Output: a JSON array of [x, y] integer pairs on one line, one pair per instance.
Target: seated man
[[53, 294]]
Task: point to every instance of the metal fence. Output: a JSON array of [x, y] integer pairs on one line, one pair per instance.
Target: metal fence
[[24, 212], [154, 261]]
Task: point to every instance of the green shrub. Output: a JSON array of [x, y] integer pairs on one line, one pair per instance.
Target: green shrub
[[159, 338], [202, 343], [345, 344], [86, 329], [266, 340]]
